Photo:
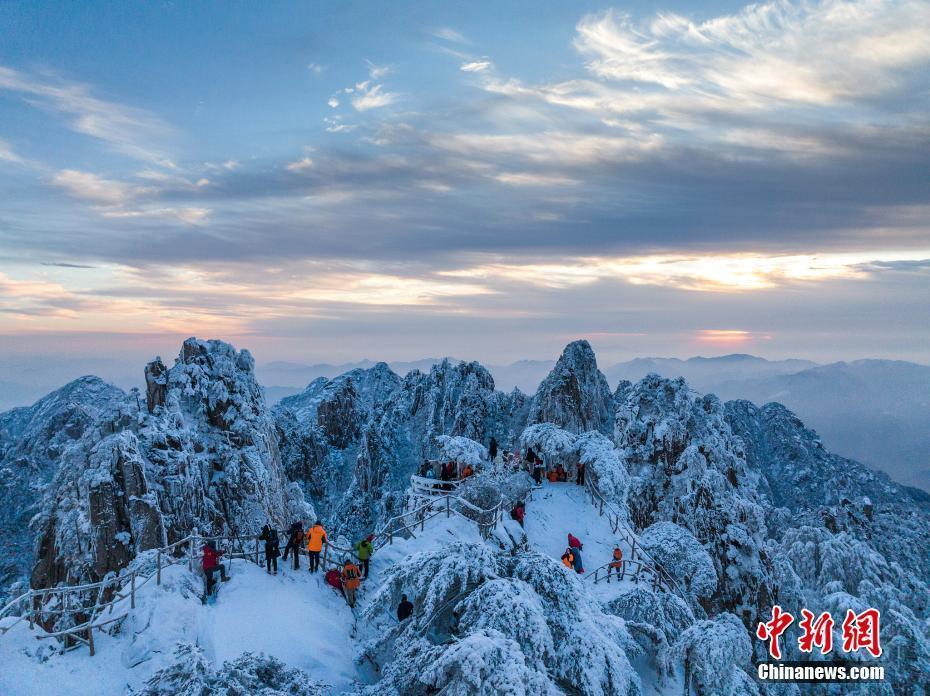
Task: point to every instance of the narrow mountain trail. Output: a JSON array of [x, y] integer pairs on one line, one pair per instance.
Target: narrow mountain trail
[[559, 508], [294, 616]]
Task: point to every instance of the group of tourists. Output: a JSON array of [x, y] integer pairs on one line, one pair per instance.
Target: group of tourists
[[536, 465], [445, 472], [572, 558], [347, 579]]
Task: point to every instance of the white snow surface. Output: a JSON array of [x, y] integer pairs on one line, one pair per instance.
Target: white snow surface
[[293, 616], [559, 508]]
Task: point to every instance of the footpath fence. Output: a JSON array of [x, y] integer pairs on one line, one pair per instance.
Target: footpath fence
[[642, 568], [72, 613]]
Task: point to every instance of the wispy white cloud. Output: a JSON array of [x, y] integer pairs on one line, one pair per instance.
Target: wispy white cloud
[[300, 165], [129, 130], [699, 273], [450, 34], [376, 72], [316, 68], [90, 187], [532, 179], [7, 154], [368, 96], [813, 53], [186, 215], [336, 125], [476, 66]]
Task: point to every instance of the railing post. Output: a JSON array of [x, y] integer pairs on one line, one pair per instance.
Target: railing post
[[600, 512], [190, 555], [391, 537], [132, 590], [90, 639], [448, 512], [325, 554], [158, 567], [256, 552], [633, 550], [30, 611]]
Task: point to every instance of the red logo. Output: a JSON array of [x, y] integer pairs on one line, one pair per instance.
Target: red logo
[[773, 629], [860, 631], [817, 632]]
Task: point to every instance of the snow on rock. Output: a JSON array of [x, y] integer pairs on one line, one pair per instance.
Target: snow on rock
[[454, 399], [205, 458], [34, 441], [575, 395], [319, 431], [814, 486]]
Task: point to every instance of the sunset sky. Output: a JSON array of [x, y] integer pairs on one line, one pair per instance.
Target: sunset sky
[[332, 181]]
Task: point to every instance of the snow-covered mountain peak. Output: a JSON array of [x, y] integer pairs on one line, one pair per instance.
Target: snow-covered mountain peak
[[575, 395]]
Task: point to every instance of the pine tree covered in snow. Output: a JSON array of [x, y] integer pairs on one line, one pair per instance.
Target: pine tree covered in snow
[[690, 470], [681, 555], [716, 651], [193, 674], [524, 613]]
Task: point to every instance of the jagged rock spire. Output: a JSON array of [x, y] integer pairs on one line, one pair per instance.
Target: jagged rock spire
[[575, 395]]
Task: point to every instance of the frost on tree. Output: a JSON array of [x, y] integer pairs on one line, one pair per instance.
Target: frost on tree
[[575, 395], [192, 674], [550, 442], [603, 464], [655, 620], [523, 614], [717, 653], [676, 550], [689, 469], [462, 450]]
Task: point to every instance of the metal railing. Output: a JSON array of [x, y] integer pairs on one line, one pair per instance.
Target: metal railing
[[664, 579], [91, 606], [626, 569]]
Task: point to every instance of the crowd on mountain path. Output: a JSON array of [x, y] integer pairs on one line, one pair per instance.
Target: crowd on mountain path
[[348, 573]]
